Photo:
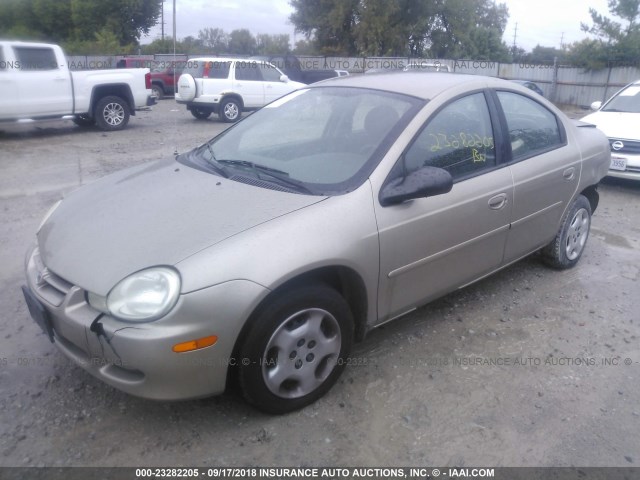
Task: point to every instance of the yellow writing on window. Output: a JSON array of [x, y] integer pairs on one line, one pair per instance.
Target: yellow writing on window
[[477, 156], [443, 141]]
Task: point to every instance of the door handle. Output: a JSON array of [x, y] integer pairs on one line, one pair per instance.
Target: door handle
[[569, 173], [498, 202]]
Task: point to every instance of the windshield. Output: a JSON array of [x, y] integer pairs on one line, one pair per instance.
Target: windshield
[[628, 100], [328, 140]]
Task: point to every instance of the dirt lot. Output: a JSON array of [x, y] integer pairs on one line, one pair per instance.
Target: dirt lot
[[564, 388]]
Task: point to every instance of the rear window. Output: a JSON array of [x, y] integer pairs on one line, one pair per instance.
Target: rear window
[[36, 58], [207, 69], [135, 63]]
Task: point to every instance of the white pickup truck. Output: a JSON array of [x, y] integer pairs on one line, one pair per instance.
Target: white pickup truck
[[36, 84]]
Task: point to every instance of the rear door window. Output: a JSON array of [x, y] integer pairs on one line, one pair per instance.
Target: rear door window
[[36, 58], [533, 129]]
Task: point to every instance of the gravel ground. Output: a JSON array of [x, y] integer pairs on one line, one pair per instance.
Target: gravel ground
[[565, 389]]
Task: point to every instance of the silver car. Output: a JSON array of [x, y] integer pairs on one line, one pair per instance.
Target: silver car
[[267, 251]]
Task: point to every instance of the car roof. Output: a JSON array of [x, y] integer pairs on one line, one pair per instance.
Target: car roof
[[9, 42], [425, 85]]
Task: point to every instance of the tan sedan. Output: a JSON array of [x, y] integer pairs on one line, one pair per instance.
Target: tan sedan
[[267, 251]]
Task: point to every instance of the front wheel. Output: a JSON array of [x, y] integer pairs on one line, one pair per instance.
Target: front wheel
[[566, 249], [111, 113], [296, 349], [229, 111]]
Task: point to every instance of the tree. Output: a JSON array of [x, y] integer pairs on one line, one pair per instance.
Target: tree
[[544, 55], [616, 43], [589, 54], [190, 45], [518, 54], [77, 22], [330, 22], [241, 42], [215, 39], [439, 28], [392, 27], [272, 44], [611, 31], [305, 47], [459, 24]]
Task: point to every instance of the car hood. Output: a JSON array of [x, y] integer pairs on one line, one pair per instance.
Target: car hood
[[155, 214], [616, 124]]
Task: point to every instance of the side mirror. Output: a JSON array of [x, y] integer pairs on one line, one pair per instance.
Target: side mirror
[[284, 78], [425, 182], [596, 105]]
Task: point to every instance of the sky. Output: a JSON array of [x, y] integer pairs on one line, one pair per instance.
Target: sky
[[544, 22]]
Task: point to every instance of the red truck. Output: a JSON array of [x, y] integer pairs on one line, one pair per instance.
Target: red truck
[[164, 73]]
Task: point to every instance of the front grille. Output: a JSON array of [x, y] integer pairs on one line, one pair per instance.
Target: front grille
[[50, 286], [630, 146]]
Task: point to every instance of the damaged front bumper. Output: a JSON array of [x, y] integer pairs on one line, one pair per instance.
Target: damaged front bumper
[[138, 358]]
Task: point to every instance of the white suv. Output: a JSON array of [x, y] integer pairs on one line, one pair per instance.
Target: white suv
[[229, 86]]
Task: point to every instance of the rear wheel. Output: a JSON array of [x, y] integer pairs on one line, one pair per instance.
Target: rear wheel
[[201, 113], [230, 110], [296, 349], [566, 249], [158, 92], [111, 113]]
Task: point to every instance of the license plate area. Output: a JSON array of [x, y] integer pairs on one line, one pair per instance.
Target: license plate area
[[38, 312], [618, 163]]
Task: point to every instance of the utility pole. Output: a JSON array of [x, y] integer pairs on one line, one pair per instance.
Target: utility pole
[[515, 35], [162, 20], [561, 41]]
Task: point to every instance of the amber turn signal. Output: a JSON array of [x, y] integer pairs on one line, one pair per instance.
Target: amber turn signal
[[195, 344]]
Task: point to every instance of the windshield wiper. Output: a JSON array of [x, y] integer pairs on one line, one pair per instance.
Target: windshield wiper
[[281, 176], [213, 163]]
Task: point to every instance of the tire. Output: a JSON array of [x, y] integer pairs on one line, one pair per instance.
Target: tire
[[566, 249], [111, 113], [201, 113], [230, 110], [187, 88], [295, 349], [158, 91], [84, 121]]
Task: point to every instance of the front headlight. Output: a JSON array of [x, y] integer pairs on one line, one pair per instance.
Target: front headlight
[[141, 297]]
